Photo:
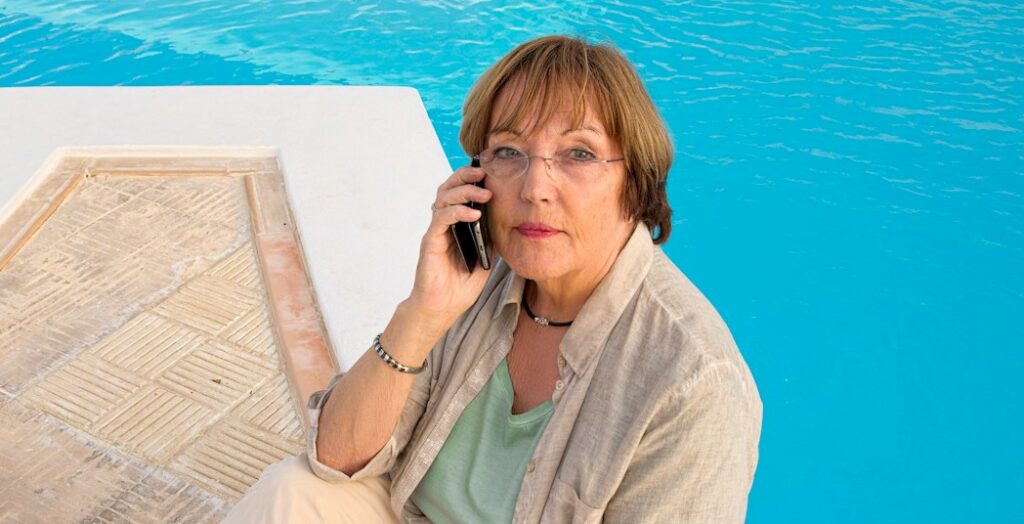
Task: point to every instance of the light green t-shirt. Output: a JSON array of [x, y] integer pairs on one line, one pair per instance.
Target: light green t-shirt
[[477, 474]]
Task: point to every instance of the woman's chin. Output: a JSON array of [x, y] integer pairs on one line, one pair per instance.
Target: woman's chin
[[536, 266]]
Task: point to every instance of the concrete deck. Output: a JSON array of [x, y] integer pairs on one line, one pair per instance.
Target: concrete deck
[[158, 335]]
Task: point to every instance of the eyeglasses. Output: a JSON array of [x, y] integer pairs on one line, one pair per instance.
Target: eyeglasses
[[507, 163]]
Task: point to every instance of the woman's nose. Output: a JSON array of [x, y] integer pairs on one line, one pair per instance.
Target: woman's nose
[[542, 163], [539, 179]]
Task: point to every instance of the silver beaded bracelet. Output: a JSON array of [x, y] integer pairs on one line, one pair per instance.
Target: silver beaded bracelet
[[391, 361]]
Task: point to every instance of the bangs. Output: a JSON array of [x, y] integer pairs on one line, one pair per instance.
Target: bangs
[[547, 83]]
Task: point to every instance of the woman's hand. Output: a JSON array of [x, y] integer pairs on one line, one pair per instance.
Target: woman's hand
[[368, 401], [443, 288]]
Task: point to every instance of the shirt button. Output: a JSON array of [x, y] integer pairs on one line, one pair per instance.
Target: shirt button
[[561, 361], [559, 385], [530, 467]]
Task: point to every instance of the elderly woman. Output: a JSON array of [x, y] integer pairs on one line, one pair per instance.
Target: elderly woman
[[582, 378]]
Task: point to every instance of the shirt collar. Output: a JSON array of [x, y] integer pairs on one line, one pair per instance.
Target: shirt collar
[[511, 291], [602, 310]]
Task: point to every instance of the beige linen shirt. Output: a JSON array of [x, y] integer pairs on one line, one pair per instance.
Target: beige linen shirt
[[656, 416]]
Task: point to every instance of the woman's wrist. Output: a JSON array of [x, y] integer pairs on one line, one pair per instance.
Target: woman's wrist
[[412, 333]]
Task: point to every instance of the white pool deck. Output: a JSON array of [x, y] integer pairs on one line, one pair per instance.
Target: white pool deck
[[176, 265]]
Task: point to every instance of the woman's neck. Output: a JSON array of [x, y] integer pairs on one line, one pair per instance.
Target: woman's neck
[[561, 299]]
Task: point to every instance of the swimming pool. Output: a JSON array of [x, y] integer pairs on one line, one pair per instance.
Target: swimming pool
[[848, 193]]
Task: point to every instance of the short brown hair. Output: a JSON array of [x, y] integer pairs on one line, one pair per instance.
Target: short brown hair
[[543, 71]]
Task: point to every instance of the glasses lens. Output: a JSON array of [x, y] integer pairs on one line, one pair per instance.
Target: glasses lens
[[506, 164], [574, 167]]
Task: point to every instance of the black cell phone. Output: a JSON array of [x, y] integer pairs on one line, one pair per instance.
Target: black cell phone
[[473, 238]]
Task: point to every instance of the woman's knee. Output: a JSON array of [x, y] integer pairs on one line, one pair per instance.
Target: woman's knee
[[279, 492], [289, 491], [291, 475]]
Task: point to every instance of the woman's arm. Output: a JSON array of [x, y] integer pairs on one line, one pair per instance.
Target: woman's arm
[[365, 405], [696, 461]]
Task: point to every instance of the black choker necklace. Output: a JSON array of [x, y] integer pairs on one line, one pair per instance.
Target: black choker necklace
[[541, 320]]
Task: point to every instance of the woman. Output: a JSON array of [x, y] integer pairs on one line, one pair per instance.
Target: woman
[[583, 378]]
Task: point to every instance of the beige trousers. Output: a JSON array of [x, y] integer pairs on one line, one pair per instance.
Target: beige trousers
[[288, 491]]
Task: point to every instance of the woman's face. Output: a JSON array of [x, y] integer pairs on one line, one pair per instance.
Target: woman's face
[[546, 225]]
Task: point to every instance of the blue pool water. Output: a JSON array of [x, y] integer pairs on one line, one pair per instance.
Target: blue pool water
[[848, 193]]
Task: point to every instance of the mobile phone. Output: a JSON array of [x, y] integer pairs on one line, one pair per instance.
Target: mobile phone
[[473, 238]]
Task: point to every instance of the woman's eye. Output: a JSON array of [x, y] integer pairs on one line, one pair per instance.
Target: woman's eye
[[581, 155], [506, 153]]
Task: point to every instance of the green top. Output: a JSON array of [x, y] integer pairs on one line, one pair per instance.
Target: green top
[[477, 474]]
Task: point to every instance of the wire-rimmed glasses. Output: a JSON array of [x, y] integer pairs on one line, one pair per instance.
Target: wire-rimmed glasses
[[507, 163]]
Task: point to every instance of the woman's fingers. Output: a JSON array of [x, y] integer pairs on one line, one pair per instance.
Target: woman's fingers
[[461, 176], [448, 215], [450, 207], [461, 195]]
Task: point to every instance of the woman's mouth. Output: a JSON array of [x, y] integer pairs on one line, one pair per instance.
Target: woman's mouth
[[536, 230]]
